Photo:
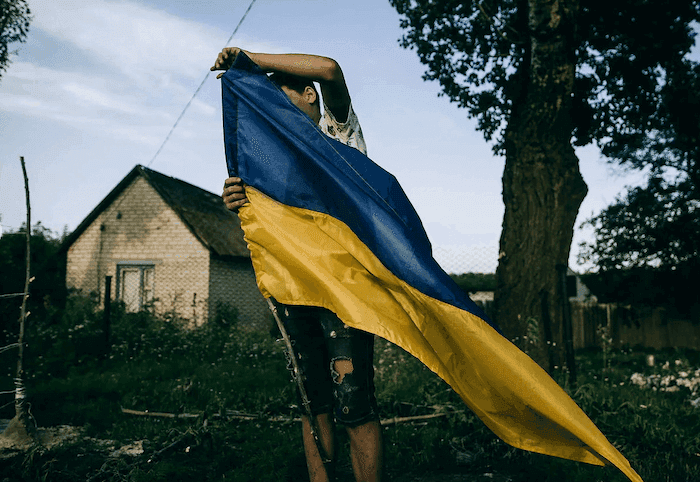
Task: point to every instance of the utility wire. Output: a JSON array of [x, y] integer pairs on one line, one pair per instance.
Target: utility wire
[[199, 88]]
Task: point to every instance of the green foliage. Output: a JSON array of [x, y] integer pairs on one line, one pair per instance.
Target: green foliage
[[14, 25], [648, 288], [479, 52], [657, 224], [47, 267], [163, 364], [472, 282]]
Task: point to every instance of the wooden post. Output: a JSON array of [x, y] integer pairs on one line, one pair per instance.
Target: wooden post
[[547, 327], [567, 328], [107, 312]]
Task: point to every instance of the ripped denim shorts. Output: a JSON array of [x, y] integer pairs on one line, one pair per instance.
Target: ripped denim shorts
[[320, 339]]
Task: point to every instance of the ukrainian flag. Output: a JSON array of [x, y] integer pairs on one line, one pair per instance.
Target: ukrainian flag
[[328, 227]]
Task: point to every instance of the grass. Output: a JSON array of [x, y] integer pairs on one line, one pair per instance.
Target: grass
[[157, 364]]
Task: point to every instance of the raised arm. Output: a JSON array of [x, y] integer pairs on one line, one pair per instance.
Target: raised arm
[[323, 70]]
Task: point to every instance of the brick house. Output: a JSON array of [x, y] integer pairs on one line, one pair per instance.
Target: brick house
[[166, 242]]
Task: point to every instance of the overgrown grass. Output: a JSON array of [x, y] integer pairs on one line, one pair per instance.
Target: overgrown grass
[[161, 364]]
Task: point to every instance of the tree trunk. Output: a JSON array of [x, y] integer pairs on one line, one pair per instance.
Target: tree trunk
[[542, 185]]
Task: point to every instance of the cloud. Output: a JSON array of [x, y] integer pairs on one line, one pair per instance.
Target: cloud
[[147, 45], [97, 98], [153, 62], [55, 94]]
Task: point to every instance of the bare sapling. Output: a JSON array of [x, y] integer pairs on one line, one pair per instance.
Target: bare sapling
[[21, 427]]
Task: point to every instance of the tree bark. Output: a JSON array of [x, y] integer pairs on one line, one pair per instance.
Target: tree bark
[[542, 185]]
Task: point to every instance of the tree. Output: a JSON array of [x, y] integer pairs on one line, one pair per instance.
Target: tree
[[49, 286], [646, 245], [540, 77], [14, 25], [657, 225]]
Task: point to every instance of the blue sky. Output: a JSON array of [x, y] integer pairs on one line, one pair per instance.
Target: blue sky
[[99, 84]]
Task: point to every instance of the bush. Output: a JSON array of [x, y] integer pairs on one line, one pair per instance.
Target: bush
[[472, 282]]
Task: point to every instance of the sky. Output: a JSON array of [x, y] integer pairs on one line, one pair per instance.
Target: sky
[[99, 84]]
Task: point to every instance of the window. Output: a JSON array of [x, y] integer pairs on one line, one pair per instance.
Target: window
[[135, 285]]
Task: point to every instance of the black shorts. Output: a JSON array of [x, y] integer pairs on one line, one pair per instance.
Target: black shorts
[[320, 339]]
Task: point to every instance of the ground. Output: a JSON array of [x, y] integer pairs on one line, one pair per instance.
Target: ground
[[16, 444]]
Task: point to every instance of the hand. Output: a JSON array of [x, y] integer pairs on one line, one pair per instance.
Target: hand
[[234, 193], [226, 59]]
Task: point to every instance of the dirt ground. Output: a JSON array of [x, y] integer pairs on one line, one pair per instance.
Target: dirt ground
[[14, 442]]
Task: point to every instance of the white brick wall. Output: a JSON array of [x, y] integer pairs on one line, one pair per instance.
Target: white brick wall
[[140, 226]]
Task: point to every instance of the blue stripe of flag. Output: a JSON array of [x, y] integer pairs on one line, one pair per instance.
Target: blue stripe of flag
[[276, 148]]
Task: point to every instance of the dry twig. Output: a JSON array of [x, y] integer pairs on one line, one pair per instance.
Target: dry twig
[[249, 416]]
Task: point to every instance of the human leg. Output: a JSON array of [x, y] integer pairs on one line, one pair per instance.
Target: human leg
[[318, 471], [309, 351], [366, 451], [351, 353]]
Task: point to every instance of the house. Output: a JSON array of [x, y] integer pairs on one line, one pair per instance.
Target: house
[[576, 289], [166, 242]]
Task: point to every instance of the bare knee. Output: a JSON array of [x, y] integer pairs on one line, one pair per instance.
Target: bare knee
[[341, 367]]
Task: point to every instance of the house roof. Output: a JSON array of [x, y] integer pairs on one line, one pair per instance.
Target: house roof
[[203, 212]]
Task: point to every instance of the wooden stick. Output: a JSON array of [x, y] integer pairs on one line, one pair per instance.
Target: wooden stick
[[238, 415], [395, 420], [250, 416], [21, 410]]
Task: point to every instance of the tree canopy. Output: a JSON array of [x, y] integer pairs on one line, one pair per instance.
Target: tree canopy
[[14, 25], [48, 270], [623, 54], [657, 224]]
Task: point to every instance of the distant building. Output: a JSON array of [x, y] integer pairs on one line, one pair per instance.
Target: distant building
[[482, 296], [166, 242], [576, 290]]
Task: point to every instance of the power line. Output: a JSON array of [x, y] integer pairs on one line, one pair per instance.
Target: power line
[[198, 88]]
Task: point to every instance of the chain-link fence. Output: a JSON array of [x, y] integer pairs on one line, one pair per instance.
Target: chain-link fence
[[467, 259]]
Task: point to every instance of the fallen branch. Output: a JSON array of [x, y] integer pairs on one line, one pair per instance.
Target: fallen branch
[[159, 414], [249, 416], [13, 295], [415, 418], [9, 347], [229, 413]]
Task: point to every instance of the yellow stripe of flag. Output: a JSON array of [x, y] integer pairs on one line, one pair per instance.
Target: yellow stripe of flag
[[303, 257]]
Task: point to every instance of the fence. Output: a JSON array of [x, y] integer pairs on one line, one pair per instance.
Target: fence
[[467, 259], [626, 325], [630, 326]]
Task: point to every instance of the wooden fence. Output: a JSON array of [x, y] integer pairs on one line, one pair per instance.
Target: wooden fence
[[628, 326]]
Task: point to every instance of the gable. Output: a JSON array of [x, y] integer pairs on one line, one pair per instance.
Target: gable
[[201, 212]]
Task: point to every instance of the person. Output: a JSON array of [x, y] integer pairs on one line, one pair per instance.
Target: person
[[336, 360]]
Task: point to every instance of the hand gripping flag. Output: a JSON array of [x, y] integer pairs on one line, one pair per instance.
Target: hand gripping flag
[[327, 227]]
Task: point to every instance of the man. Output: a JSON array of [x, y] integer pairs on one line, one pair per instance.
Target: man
[[336, 360]]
